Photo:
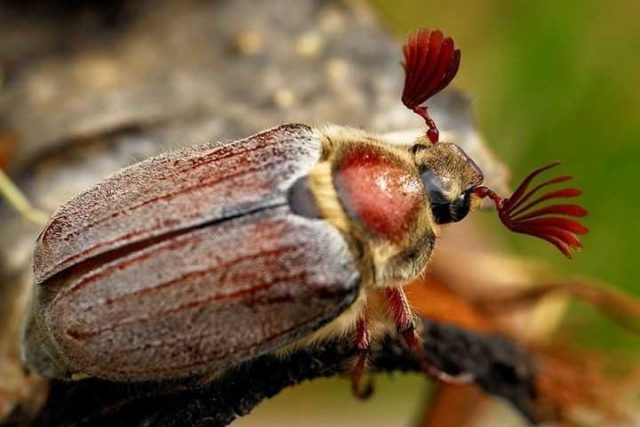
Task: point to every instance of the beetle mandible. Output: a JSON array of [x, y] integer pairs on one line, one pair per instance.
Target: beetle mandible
[[194, 261]]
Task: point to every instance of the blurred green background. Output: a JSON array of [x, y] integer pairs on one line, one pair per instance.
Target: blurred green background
[[554, 80], [550, 81]]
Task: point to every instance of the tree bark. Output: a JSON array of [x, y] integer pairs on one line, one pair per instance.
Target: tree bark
[[496, 364]]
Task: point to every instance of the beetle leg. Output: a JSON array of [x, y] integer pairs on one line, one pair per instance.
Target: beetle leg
[[406, 326], [362, 344], [402, 316]]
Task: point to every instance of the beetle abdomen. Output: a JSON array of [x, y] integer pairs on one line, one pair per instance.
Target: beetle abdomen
[[176, 191], [202, 301]]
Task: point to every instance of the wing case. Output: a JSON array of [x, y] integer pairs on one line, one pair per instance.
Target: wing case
[[198, 303], [176, 191]]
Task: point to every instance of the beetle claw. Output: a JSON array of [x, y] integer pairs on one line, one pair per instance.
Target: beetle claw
[[361, 390]]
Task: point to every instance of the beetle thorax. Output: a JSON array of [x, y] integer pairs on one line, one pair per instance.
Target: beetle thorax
[[373, 192], [379, 192]]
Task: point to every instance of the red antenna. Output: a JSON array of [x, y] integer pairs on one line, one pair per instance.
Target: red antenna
[[431, 61], [552, 223]]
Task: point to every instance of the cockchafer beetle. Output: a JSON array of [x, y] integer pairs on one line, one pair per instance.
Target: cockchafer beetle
[[192, 262]]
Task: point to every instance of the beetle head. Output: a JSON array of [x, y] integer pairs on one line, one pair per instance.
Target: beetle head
[[452, 180]]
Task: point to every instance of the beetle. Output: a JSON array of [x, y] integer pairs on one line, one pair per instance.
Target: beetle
[[189, 263]]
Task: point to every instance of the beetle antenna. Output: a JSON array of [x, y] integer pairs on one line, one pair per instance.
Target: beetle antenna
[[431, 61], [552, 223]]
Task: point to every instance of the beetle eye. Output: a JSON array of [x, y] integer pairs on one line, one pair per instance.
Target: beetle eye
[[460, 208], [435, 188], [455, 211], [444, 210]]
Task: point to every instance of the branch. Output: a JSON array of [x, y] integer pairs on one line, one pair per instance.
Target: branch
[[498, 366]]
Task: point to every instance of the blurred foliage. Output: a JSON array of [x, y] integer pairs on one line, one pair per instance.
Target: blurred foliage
[[557, 81]]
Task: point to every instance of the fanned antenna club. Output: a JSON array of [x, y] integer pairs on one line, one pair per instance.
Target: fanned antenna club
[[431, 61], [522, 213]]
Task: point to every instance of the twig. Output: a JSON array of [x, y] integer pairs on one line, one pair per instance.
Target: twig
[[497, 365]]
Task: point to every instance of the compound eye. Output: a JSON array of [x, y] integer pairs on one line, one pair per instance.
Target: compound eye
[[460, 207], [437, 197], [435, 188], [444, 210], [445, 213]]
